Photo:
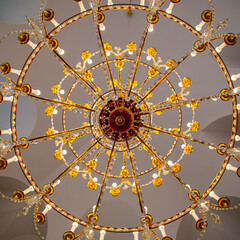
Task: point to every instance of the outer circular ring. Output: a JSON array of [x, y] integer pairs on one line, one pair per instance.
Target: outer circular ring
[[21, 79]]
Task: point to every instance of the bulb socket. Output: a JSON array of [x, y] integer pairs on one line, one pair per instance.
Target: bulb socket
[[201, 224], [154, 19], [201, 47], [238, 172], [1, 98], [23, 146], [3, 164], [222, 148], [90, 218], [207, 16], [49, 191], [40, 218], [48, 14], [6, 68], [167, 238], [223, 202], [230, 39], [225, 96], [68, 235], [23, 38], [148, 219], [53, 42], [18, 195], [101, 17]]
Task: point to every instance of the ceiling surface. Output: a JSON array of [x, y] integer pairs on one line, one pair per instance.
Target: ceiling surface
[[171, 41]]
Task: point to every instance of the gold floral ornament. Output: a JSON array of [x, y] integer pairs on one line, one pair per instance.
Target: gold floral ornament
[[150, 94], [50, 131], [88, 76], [131, 46], [49, 110], [119, 63], [85, 55], [134, 190], [194, 104], [135, 83], [152, 73], [170, 63], [124, 173], [152, 51], [86, 106], [157, 182], [114, 192], [176, 130], [92, 185], [73, 173], [173, 98], [92, 164], [71, 138], [115, 82], [195, 126], [55, 88], [176, 167], [188, 149], [58, 154], [85, 124], [156, 161], [107, 46], [186, 82]]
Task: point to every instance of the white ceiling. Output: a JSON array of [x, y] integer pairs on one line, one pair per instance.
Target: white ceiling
[[171, 41]]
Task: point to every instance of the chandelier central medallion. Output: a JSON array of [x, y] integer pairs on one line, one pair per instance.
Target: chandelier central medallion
[[120, 120]]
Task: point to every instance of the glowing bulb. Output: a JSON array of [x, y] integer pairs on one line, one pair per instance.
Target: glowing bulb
[[55, 111], [198, 28], [218, 49], [64, 152], [95, 179], [102, 27], [130, 52], [154, 175], [62, 91], [89, 61], [108, 53], [149, 58], [193, 54], [180, 84], [114, 185], [150, 29]]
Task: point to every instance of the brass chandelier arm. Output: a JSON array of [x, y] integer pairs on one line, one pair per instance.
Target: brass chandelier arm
[[175, 175], [52, 136], [106, 58], [105, 178], [65, 104], [191, 101], [141, 87], [79, 159], [168, 72], [101, 46], [137, 59], [138, 187], [77, 75], [120, 81], [179, 135]]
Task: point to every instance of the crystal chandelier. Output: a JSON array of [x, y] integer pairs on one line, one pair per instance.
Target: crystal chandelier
[[123, 120]]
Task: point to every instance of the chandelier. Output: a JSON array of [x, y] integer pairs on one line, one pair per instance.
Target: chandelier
[[122, 118]]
